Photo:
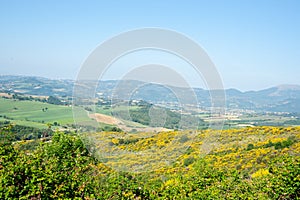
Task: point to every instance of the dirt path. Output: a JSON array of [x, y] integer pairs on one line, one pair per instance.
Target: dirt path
[[105, 119], [114, 121]]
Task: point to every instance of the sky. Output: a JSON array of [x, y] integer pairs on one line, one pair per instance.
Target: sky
[[253, 44]]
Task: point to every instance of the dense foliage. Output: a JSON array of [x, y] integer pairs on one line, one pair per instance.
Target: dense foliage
[[251, 163], [140, 114], [26, 132]]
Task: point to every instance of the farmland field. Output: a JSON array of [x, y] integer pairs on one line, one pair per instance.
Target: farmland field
[[34, 113]]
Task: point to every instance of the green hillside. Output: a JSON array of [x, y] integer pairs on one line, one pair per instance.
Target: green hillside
[[250, 163], [36, 114]]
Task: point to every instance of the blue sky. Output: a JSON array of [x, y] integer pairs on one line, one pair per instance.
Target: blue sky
[[254, 44]]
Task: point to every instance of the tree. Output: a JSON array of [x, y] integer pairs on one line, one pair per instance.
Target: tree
[[54, 100]]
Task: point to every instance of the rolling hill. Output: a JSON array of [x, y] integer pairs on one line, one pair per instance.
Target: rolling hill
[[282, 98]]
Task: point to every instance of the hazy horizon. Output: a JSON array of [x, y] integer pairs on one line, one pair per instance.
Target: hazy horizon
[[53, 78]]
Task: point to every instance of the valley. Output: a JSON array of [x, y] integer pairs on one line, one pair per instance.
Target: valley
[[21, 95], [114, 148]]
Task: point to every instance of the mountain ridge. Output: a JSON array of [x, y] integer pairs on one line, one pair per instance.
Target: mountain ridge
[[284, 86], [281, 98]]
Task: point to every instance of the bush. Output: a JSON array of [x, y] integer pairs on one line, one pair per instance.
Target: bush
[[188, 161], [59, 169], [250, 147]]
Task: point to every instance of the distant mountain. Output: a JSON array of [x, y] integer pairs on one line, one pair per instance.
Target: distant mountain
[[36, 86], [283, 98]]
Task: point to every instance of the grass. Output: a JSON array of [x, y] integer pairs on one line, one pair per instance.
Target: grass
[[38, 114], [26, 123], [104, 110], [108, 110], [31, 113]]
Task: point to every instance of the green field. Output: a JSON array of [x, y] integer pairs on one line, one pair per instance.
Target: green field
[[37, 114], [108, 110]]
